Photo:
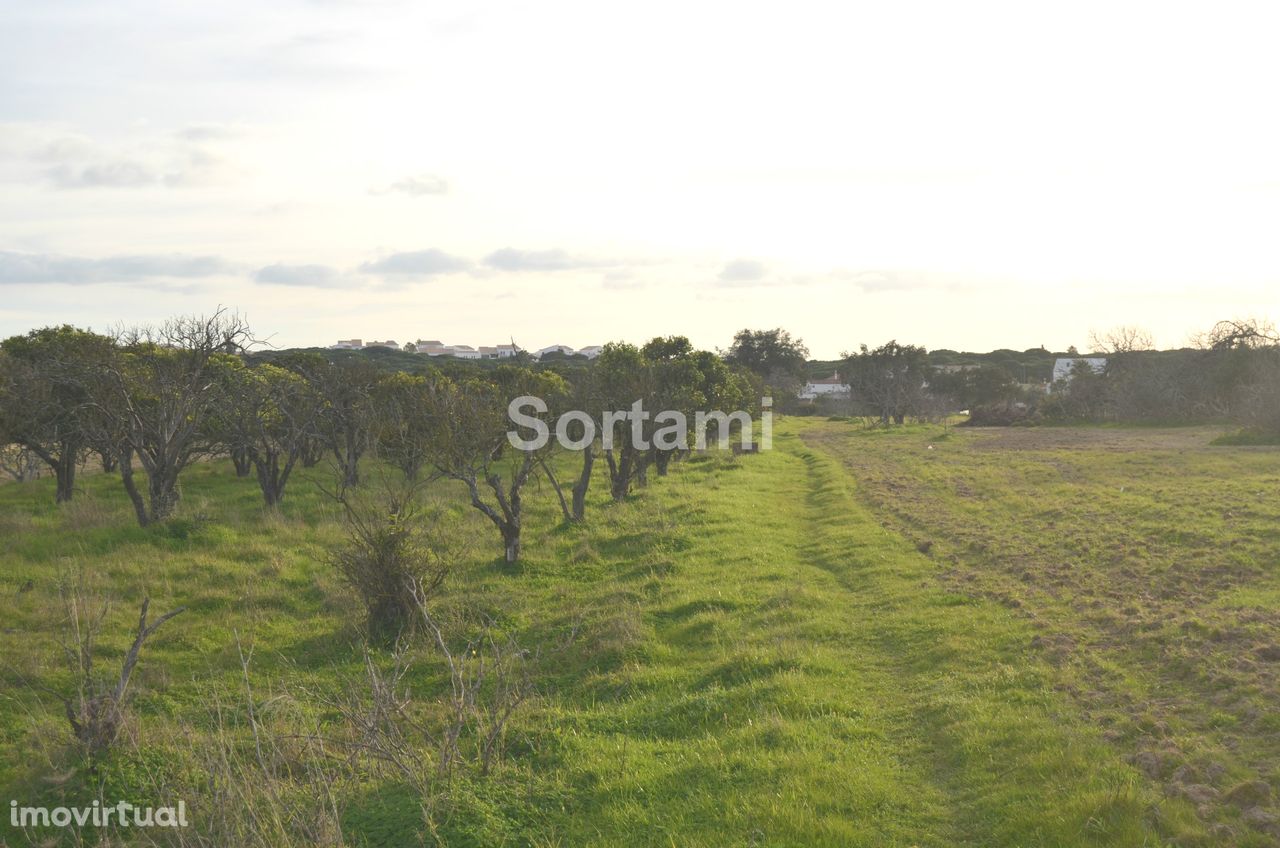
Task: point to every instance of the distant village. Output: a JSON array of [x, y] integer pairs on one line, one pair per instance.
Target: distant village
[[461, 351]]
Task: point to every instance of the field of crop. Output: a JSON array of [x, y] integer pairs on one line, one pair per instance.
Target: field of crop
[[920, 637]]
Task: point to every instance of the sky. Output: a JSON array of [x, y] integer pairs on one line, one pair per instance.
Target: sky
[[959, 175]]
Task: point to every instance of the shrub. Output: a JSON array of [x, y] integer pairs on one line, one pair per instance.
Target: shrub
[[97, 710], [392, 552], [1003, 414]]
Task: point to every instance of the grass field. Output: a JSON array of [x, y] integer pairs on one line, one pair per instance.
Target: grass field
[[1049, 637]]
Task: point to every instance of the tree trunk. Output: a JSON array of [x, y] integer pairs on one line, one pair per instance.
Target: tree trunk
[[662, 460], [310, 453], [63, 464], [163, 494], [66, 472], [110, 461], [348, 455], [584, 480], [511, 543], [268, 468], [240, 459], [642, 468], [555, 484], [126, 477], [271, 476], [620, 472]]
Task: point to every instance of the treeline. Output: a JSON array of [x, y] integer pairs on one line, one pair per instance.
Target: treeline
[[1034, 365], [160, 398], [1231, 375]]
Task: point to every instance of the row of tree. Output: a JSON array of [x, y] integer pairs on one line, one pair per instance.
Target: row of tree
[[163, 397], [1230, 375]]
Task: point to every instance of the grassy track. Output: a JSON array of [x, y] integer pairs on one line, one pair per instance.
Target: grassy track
[[1144, 560], [762, 662]]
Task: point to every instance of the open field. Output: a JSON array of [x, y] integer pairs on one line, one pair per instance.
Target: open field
[[1048, 637]]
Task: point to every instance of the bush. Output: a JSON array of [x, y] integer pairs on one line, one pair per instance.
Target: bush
[[1002, 415], [393, 557], [1248, 438]]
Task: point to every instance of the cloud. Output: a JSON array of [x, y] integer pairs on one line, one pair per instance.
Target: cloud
[[206, 132], [512, 259], [280, 274], [750, 273], [879, 281], [417, 263], [417, 186], [121, 173], [623, 280], [68, 160], [190, 167], [43, 268], [742, 271]]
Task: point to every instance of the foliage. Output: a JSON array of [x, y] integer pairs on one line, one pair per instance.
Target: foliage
[[395, 556], [774, 355], [891, 379]]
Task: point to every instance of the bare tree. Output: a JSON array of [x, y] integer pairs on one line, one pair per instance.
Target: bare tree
[[157, 397], [490, 678], [96, 710], [1238, 334], [1120, 340], [19, 463]]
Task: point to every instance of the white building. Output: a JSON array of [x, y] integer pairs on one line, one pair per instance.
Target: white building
[[831, 386], [388, 343], [1063, 368], [431, 347], [591, 351], [565, 349], [347, 344]]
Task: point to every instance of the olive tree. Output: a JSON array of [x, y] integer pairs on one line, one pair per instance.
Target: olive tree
[[43, 398], [402, 421], [470, 444], [677, 388], [269, 414], [891, 378], [347, 415], [624, 378], [774, 355], [154, 400]]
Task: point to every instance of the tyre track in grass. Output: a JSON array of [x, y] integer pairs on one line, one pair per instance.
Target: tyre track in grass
[[972, 707]]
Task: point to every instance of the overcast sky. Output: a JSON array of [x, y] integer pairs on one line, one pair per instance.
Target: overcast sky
[[965, 175]]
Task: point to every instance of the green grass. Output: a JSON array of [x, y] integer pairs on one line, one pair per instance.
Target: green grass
[[1145, 563], [1248, 437], [766, 656]]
